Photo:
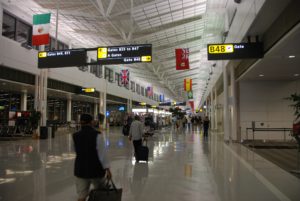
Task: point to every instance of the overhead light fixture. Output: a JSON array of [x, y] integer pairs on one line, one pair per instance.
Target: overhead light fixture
[[296, 74], [292, 56], [261, 75]]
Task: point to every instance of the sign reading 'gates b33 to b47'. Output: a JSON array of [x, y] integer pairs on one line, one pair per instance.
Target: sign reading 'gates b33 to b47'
[[234, 51], [125, 54]]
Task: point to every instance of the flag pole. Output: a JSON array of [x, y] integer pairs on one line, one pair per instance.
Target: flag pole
[[56, 29]]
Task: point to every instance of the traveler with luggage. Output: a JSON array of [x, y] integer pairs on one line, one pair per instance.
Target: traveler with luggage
[[91, 162], [205, 126], [136, 133]]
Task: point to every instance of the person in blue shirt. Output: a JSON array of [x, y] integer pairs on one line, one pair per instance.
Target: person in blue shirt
[[91, 163]]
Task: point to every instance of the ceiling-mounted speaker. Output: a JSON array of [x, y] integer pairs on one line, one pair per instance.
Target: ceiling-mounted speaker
[[237, 1]]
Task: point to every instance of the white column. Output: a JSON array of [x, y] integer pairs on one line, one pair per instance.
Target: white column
[[1, 17], [43, 83], [129, 105], [69, 109], [212, 110], [95, 110], [216, 111], [226, 110], [206, 110], [103, 107], [24, 101], [36, 93], [234, 104]]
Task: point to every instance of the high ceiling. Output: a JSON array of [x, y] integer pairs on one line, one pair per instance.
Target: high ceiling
[[166, 24]]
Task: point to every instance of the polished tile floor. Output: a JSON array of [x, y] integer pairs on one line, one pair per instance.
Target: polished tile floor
[[182, 167]]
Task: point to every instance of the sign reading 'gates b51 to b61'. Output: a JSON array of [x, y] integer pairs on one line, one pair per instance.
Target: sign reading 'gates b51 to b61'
[[62, 58], [234, 51], [125, 54]]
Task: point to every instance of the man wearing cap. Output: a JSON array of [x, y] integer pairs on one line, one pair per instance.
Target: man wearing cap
[[91, 163]]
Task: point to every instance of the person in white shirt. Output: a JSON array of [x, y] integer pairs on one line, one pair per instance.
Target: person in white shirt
[[136, 133]]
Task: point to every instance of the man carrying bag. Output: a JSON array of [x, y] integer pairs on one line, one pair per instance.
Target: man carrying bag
[[91, 162]]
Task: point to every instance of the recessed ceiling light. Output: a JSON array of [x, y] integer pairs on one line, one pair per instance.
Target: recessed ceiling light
[[292, 56], [261, 75], [296, 75]]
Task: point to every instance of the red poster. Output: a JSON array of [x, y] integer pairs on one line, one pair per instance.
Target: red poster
[[182, 59]]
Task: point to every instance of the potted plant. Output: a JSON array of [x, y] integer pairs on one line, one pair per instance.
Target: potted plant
[[295, 98], [34, 119]]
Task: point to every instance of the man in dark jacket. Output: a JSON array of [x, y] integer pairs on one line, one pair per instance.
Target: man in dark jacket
[[205, 126], [91, 163]]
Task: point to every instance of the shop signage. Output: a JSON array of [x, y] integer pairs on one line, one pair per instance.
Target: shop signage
[[125, 54], [232, 51], [62, 58]]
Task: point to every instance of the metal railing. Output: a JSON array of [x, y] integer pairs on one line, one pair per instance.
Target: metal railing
[[284, 130]]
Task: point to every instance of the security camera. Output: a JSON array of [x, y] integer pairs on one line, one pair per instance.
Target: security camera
[[237, 1]]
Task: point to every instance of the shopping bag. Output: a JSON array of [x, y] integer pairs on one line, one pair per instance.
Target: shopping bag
[[108, 193]]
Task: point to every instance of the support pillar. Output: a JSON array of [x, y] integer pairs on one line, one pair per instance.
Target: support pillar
[[129, 105], [1, 17], [212, 110], [95, 110], [234, 105], [103, 107], [216, 111], [69, 110], [24, 101], [42, 88], [226, 109], [36, 93]]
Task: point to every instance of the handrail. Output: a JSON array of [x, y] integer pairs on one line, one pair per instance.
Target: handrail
[[268, 129]]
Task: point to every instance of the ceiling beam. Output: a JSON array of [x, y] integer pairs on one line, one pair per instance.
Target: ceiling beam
[[141, 35], [110, 7], [176, 44]]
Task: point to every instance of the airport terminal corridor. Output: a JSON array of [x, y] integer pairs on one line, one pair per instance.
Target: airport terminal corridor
[[183, 166]]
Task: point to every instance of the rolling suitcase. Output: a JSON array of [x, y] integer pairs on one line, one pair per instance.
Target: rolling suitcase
[[143, 153]]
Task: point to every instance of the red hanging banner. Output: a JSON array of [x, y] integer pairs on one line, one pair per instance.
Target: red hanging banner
[[182, 59], [192, 105]]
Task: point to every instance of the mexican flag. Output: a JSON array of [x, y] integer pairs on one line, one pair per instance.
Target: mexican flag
[[40, 31]]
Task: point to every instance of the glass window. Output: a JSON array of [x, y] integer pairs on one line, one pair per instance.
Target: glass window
[[118, 79], [132, 84], [60, 45], [143, 91], [9, 26], [138, 89], [111, 75], [52, 43], [106, 75], [23, 33], [57, 109]]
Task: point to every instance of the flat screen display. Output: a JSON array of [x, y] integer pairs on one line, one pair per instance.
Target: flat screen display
[[125, 54], [62, 58], [234, 51]]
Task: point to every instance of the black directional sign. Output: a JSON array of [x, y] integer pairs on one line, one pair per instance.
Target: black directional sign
[[125, 54], [61, 58], [230, 51]]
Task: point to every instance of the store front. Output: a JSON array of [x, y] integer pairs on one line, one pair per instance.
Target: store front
[[79, 108], [11, 101], [57, 109]]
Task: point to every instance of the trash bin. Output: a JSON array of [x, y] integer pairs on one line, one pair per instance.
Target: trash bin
[[43, 132]]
